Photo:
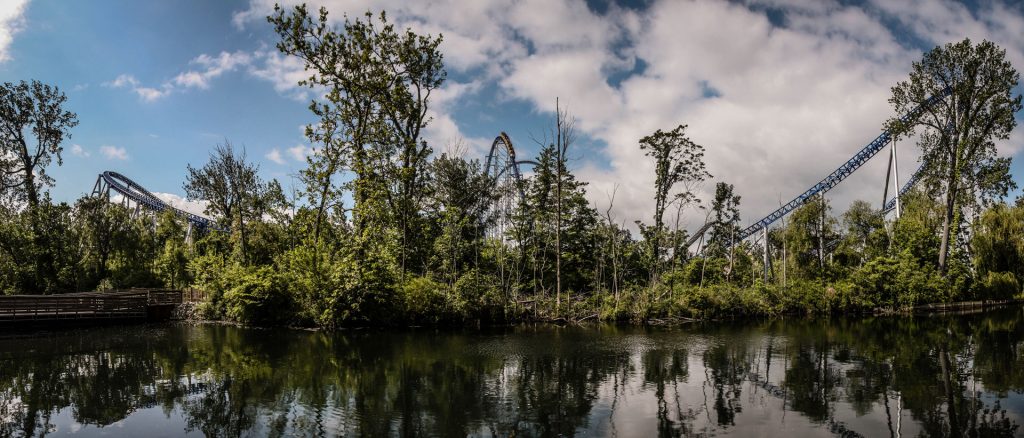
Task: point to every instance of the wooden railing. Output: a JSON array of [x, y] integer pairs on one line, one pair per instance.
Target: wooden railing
[[89, 305], [125, 304]]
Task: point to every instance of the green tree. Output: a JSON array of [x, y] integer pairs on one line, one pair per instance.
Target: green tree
[[998, 241], [378, 83], [677, 159], [725, 210], [171, 263], [33, 124], [958, 133], [460, 193], [808, 230], [865, 231], [234, 191]]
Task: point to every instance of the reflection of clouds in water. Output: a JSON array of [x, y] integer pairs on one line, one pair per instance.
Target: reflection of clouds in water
[[782, 378]]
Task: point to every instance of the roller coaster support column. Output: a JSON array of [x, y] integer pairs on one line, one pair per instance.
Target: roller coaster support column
[[765, 244], [896, 179]]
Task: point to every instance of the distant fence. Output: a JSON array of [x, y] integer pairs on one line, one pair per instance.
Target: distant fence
[[125, 304]]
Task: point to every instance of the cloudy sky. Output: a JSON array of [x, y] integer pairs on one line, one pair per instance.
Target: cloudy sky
[[780, 92]]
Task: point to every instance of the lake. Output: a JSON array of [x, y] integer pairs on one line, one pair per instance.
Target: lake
[[883, 376]]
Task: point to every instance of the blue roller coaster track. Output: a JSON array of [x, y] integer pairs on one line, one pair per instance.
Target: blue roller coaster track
[[131, 191], [845, 171]]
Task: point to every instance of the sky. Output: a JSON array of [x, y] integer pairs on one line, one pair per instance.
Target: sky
[[779, 92]]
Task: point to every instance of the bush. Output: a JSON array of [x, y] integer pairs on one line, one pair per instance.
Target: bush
[[430, 302], [1000, 286], [898, 282], [481, 294], [258, 298]]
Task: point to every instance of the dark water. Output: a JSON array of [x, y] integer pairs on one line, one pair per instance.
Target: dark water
[[929, 376]]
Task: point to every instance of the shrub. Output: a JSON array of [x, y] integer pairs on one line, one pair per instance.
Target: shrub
[[482, 295], [430, 302], [1000, 286], [258, 298]]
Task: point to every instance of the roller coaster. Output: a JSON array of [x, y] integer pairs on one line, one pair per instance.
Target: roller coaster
[[502, 168], [133, 193]]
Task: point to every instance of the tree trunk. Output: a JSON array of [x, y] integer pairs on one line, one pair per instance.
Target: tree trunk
[[947, 220]]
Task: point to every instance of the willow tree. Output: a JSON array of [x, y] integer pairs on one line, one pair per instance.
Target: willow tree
[[958, 134]]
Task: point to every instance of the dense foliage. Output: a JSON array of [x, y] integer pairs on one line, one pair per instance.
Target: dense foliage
[[385, 231]]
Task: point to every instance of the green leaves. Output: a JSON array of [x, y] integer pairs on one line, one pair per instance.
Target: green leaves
[[33, 124], [958, 133]]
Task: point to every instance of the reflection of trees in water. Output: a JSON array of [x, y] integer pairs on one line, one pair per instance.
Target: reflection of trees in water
[[229, 382], [727, 366], [664, 367]]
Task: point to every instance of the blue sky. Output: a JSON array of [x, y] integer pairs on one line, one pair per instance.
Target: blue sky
[[780, 91]]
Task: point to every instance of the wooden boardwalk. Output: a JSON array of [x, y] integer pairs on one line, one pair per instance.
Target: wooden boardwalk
[[84, 306]]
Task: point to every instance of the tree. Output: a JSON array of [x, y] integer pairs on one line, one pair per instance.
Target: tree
[[677, 159], [958, 133], [460, 193], [725, 209], [378, 83], [998, 241], [565, 135], [808, 230], [863, 231], [30, 112], [234, 191]]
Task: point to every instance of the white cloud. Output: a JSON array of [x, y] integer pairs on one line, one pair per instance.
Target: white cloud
[[212, 67], [283, 72], [275, 156], [197, 207], [147, 94], [299, 152], [114, 153], [11, 21], [779, 103], [78, 151]]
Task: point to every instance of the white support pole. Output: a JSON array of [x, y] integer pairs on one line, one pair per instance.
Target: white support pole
[[765, 243], [896, 180]]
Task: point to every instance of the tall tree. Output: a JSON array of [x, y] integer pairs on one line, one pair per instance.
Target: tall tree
[[378, 84], [677, 159], [33, 124], [460, 194], [958, 133], [565, 135], [725, 209], [234, 191]]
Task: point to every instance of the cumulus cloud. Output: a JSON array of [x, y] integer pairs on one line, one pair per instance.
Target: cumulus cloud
[[114, 152], [283, 72], [78, 151], [781, 92], [275, 156], [196, 207], [11, 21], [147, 94], [299, 152], [209, 67]]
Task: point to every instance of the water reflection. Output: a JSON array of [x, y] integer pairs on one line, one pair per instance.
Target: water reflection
[[928, 376]]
